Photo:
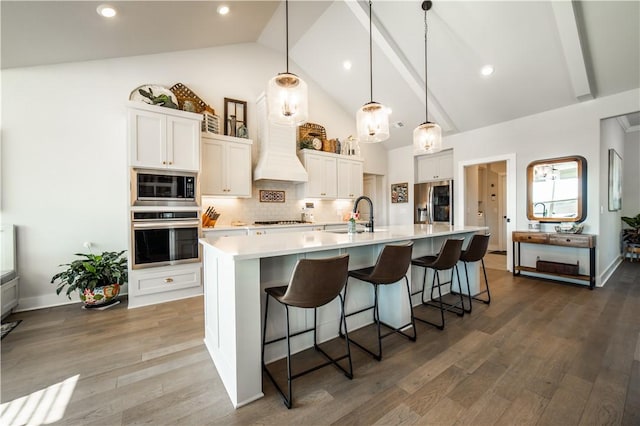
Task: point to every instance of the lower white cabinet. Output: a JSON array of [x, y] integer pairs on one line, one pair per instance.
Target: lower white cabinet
[[10, 295], [164, 283], [226, 166], [217, 233]]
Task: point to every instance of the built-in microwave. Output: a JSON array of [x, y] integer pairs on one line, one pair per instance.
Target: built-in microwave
[[163, 188]]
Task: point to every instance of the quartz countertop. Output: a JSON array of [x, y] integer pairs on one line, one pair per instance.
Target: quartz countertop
[[279, 244], [248, 227]]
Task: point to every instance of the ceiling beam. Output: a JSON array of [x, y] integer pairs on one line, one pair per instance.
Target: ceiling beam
[[573, 55], [392, 51]]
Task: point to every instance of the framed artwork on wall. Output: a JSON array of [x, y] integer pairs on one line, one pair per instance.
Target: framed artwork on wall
[[235, 118], [400, 192], [615, 181]]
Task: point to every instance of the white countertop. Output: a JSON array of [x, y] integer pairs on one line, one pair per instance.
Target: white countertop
[[249, 227], [280, 244]]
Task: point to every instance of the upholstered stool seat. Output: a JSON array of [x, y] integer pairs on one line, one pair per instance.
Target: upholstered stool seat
[[314, 283], [447, 259], [391, 267]]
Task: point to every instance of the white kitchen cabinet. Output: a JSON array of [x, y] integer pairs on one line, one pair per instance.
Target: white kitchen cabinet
[[350, 178], [322, 171], [165, 283], [226, 166], [163, 138], [217, 233], [434, 167]]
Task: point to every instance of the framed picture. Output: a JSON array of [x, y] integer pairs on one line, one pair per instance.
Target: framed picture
[[615, 181], [235, 118], [400, 192]]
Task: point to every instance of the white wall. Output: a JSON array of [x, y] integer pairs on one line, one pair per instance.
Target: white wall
[[631, 174], [573, 130], [611, 137], [64, 158], [401, 167]]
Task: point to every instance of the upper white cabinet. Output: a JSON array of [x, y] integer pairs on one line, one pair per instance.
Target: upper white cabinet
[[163, 138], [350, 178], [323, 175], [226, 166], [434, 167]]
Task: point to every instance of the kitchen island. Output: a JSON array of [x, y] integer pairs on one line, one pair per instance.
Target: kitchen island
[[238, 268]]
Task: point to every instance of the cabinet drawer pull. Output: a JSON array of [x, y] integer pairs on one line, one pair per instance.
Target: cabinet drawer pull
[[568, 240], [168, 280], [529, 237], [170, 162]]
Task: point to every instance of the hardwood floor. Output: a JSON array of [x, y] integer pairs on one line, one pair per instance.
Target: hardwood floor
[[542, 353]]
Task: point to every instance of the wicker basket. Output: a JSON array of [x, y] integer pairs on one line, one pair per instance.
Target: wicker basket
[[183, 93], [310, 131]]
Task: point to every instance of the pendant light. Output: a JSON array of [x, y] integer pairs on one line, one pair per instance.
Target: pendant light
[[427, 137], [372, 119], [287, 93]]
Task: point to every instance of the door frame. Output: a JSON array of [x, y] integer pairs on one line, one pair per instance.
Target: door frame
[[510, 190]]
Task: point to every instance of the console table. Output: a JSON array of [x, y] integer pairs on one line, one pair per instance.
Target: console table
[[586, 241]]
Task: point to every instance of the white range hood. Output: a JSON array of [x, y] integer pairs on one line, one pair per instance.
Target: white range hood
[[277, 159]]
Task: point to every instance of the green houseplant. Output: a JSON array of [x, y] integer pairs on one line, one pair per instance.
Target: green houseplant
[[631, 234], [96, 277]]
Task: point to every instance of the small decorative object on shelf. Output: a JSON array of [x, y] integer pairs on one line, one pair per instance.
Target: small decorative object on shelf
[[96, 277], [235, 117], [189, 101], [570, 228], [210, 123], [154, 95]]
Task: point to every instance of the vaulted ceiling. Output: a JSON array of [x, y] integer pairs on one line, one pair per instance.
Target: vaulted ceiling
[[546, 54]]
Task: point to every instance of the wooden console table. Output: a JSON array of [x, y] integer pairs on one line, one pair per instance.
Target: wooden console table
[[587, 241]]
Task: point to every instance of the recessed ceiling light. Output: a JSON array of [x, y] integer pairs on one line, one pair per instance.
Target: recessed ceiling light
[[223, 9], [106, 11], [487, 70], [347, 65]]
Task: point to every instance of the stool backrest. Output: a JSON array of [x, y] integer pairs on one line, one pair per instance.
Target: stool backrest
[[477, 248], [316, 282], [449, 255], [392, 263]]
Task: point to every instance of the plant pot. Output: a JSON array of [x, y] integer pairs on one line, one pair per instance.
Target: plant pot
[[100, 296]]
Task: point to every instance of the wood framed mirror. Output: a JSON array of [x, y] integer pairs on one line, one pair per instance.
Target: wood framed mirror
[[557, 189]]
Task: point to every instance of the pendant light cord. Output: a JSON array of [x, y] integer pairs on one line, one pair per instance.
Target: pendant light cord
[[370, 55], [286, 8], [426, 102]]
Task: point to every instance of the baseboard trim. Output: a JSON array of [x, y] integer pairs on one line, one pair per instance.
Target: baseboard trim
[[608, 271]]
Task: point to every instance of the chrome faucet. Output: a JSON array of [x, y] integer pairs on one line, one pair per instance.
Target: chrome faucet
[[355, 209], [544, 208]]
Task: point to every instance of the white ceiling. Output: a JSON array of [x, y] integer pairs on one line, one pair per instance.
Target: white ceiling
[[546, 54]]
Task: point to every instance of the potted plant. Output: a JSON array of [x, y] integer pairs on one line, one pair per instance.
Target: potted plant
[[97, 277], [632, 234]]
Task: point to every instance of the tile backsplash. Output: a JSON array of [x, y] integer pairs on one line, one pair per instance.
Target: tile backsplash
[[249, 210]]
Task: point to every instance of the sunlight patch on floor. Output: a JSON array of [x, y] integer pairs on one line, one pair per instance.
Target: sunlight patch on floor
[[42, 407]]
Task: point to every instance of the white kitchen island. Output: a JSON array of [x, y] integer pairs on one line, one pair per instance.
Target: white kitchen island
[[238, 268]]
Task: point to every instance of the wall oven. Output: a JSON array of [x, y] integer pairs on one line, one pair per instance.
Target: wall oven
[[161, 238], [163, 188]]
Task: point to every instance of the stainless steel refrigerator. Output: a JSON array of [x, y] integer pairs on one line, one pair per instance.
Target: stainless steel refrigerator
[[433, 202]]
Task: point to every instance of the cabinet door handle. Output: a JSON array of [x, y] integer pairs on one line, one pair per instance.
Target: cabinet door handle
[[168, 280], [170, 162], [164, 162], [568, 240]]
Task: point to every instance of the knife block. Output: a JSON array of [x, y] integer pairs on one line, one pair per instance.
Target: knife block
[[207, 222]]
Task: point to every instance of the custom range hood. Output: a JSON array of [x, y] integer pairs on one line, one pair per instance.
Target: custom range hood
[[277, 159]]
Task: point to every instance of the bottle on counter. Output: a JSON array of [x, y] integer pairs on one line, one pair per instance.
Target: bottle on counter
[[351, 225]]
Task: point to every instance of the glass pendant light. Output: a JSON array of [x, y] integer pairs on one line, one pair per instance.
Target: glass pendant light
[[287, 93], [372, 119], [427, 137]]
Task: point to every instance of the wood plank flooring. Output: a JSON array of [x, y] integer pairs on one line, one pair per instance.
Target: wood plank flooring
[[542, 353]]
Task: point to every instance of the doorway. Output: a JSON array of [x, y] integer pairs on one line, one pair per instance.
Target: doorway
[[487, 198]]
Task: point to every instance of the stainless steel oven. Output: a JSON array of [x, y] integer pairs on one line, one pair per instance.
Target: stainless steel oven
[[163, 188], [162, 238]]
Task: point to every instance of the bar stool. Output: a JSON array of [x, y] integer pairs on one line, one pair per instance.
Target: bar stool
[[314, 283], [475, 252], [391, 266], [445, 260]]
